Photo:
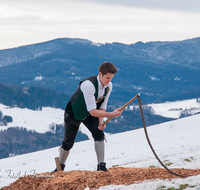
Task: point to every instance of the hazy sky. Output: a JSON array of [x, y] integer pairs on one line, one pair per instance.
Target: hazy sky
[[24, 22]]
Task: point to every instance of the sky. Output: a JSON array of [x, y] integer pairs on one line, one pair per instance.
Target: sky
[[25, 22]]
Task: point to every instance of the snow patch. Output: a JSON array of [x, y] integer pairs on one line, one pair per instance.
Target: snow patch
[[38, 78], [154, 78], [177, 78]]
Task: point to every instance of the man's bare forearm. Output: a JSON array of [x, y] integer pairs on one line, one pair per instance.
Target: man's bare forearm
[[99, 113], [103, 113]]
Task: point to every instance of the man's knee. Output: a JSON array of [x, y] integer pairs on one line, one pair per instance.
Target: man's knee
[[99, 137], [67, 145]]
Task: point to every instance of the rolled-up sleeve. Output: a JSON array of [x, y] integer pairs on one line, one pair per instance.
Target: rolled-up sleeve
[[88, 90]]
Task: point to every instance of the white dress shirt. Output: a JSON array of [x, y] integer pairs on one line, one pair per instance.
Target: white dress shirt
[[88, 89]]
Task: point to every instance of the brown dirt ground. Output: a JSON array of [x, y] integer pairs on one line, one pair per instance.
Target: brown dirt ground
[[79, 180]]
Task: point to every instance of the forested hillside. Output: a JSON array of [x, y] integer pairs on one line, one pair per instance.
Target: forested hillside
[[157, 70], [18, 140], [31, 97]]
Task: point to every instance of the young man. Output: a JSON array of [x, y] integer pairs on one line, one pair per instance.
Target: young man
[[88, 105]]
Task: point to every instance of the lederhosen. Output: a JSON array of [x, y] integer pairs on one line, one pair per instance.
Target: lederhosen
[[76, 112]]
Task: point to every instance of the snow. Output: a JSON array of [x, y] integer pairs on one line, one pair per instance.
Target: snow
[[173, 109], [177, 78], [153, 78], [39, 78], [175, 141], [32, 119]]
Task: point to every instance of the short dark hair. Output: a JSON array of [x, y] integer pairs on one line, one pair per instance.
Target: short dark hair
[[107, 67]]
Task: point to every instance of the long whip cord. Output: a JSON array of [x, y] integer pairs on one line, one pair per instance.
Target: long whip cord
[[147, 137], [145, 130]]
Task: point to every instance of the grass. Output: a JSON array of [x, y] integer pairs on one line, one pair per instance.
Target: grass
[[152, 166], [181, 187], [115, 165], [187, 160], [168, 163]]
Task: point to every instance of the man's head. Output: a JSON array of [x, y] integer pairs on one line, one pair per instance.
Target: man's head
[[106, 72], [107, 67]]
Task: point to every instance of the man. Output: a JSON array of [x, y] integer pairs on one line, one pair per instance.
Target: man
[[88, 105]]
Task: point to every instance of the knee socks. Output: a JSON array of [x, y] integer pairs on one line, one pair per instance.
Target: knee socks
[[99, 148], [63, 155]]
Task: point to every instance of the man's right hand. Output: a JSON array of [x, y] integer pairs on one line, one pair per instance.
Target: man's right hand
[[116, 113]]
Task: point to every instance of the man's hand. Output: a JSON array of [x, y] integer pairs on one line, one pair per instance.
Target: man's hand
[[101, 127], [116, 113]]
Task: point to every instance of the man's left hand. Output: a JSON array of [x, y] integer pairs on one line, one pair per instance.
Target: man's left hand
[[101, 127]]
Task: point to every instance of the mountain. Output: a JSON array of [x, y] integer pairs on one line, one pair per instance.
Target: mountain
[[158, 70], [24, 53], [175, 142], [185, 53]]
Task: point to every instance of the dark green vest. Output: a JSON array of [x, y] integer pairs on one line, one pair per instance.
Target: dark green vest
[[78, 103]]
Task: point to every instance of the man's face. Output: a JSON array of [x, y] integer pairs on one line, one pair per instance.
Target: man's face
[[105, 79]]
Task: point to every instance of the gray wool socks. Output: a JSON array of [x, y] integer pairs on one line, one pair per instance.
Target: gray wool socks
[[63, 155], [99, 148]]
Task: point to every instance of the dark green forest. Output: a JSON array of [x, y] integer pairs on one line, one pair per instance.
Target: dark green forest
[[31, 97], [18, 140]]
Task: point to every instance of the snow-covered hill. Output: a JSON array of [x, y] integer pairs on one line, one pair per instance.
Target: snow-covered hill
[[32, 119], [176, 143], [174, 109], [38, 120]]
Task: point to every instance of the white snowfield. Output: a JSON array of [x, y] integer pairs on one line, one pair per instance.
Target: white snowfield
[[173, 109], [39, 121], [176, 142], [33, 119]]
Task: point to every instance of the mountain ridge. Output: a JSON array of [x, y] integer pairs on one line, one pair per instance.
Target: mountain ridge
[[157, 70], [45, 47], [153, 49]]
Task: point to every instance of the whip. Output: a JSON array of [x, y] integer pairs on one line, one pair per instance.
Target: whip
[[145, 130]]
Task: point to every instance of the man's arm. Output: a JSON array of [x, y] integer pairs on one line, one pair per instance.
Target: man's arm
[[101, 113], [101, 127]]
